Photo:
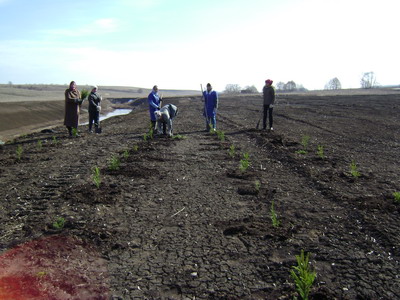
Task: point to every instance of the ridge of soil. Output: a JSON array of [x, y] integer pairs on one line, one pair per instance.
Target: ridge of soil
[[178, 220]]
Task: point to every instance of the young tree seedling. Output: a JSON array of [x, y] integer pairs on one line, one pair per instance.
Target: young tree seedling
[[320, 152], [232, 151], [19, 152], [114, 163], [354, 170], [126, 154], [396, 196], [274, 216], [39, 144], [302, 275], [96, 177], [59, 223], [244, 162]]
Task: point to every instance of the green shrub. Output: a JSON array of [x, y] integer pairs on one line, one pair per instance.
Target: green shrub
[[320, 151], [354, 170], [302, 152], [59, 223], [114, 163], [39, 144], [126, 154], [221, 135], [302, 275], [244, 162]]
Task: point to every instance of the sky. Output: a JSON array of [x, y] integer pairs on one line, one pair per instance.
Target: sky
[[182, 44]]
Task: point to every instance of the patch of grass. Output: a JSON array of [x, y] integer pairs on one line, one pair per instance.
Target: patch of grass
[[114, 163], [302, 275], [320, 151], [244, 162], [59, 223], [19, 152], [125, 154], [84, 94], [179, 137], [39, 144], [396, 196], [274, 216], [96, 176], [221, 135], [135, 148], [231, 151], [354, 170], [54, 140]]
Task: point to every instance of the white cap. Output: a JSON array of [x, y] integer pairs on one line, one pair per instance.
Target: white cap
[[94, 87]]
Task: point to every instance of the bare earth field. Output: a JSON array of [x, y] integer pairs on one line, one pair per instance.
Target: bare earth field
[[178, 220]]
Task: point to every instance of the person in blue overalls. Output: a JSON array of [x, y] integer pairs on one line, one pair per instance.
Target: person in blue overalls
[[155, 101], [210, 107]]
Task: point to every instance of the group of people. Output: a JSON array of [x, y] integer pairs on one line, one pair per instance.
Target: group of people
[[73, 103], [161, 117]]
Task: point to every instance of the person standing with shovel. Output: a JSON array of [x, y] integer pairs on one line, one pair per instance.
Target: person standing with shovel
[[210, 107], [155, 102], [269, 100]]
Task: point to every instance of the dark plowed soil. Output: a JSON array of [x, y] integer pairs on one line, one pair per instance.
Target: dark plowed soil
[[179, 220]]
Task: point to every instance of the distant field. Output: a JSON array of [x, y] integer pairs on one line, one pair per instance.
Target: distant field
[[50, 92]]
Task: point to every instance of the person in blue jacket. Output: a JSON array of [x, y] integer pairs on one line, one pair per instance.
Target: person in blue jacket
[[155, 101], [210, 107]]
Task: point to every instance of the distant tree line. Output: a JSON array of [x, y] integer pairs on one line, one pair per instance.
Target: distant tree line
[[233, 89], [290, 86]]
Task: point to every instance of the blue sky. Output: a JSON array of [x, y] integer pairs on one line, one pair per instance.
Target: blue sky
[[180, 44]]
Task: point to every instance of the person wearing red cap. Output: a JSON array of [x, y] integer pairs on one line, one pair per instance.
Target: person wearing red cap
[[269, 99]]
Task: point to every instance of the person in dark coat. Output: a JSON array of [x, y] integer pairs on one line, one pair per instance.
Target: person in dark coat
[[72, 106], [269, 99], [210, 107], [155, 101], [164, 117], [94, 109]]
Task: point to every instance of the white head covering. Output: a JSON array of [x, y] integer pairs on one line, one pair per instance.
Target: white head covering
[[95, 87]]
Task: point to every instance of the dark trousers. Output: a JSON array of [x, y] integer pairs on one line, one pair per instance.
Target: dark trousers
[[94, 117], [267, 112]]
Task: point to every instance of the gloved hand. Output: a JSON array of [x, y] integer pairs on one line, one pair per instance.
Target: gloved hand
[[98, 108]]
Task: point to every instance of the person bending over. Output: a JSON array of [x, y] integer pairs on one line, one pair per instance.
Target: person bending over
[[165, 116]]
